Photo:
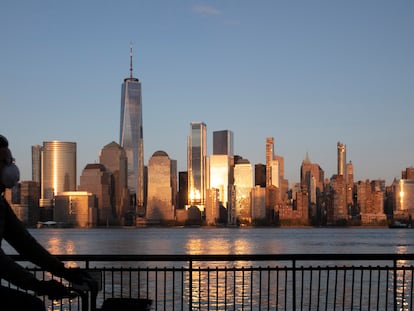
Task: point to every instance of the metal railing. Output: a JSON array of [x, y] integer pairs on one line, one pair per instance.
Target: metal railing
[[252, 282]]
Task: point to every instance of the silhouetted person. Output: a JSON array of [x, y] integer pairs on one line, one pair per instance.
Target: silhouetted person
[[13, 231]]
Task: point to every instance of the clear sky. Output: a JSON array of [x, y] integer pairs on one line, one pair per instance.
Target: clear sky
[[308, 73]]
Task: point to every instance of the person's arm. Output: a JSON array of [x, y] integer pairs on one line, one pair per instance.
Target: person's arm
[[25, 244]]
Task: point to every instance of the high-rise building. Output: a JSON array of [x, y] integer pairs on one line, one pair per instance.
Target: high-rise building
[[24, 200], [243, 183], [131, 136], [58, 170], [269, 160], [182, 190], [36, 163], [260, 175], [341, 159], [311, 179], [258, 204], [113, 157], [197, 164], [219, 176], [76, 209], [97, 180], [223, 142], [162, 188]]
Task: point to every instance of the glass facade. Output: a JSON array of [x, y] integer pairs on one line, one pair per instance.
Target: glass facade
[[36, 163], [58, 168], [196, 161], [223, 142], [219, 176], [243, 182], [131, 136], [404, 194]]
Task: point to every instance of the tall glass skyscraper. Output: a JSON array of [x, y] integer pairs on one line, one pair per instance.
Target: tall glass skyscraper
[[131, 136], [223, 142], [197, 162], [58, 163]]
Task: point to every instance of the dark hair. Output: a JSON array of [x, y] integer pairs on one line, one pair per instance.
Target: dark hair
[[3, 142]]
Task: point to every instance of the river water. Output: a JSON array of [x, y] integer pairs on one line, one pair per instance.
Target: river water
[[205, 240], [224, 240]]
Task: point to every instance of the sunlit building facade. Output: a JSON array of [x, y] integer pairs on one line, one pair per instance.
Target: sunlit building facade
[[58, 163], [76, 209], [212, 210], [404, 196], [197, 164], [269, 160], [162, 188], [370, 201], [24, 200], [131, 136], [97, 180], [258, 204], [219, 176], [341, 158], [243, 184]]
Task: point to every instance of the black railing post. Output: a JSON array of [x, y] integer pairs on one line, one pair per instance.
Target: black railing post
[[190, 287], [395, 285], [293, 284]]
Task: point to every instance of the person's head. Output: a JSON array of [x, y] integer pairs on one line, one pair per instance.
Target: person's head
[[9, 172]]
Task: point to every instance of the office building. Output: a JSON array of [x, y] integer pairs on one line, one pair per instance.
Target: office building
[[58, 164], [113, 158], [97, 180], [76, 209], [258, 204], [404, 196], [131, 136], [311, 179], [260, 175], [162, 188], [243, 184], [24, 200], [182, 190], [219, 176], [212, 209], [197, 164], [223, 142], [37, 163]]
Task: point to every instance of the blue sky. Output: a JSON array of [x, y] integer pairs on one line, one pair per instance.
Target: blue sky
[[308, 73]]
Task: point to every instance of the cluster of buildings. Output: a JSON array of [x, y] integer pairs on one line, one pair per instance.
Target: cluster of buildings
[[218, 189]]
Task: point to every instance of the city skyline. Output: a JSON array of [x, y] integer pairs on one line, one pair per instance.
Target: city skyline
[[307, 74]]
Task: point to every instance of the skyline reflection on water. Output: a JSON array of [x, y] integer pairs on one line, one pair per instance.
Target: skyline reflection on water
[[239, 288], [223, 240]]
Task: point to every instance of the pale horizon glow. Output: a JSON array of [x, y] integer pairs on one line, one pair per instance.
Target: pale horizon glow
[[308, 73]]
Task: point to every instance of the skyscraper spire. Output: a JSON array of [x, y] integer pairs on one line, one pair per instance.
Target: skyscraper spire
[[130, 60]]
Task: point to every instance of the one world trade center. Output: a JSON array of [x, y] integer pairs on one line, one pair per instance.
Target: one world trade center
[[131, 137]]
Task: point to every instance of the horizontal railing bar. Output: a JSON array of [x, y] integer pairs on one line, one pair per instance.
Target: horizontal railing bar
[[230, 257]]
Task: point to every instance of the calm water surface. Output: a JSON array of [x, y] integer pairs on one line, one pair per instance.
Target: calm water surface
[[224, 240]]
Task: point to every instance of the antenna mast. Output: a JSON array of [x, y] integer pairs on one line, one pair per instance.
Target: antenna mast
[[130, 60]]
